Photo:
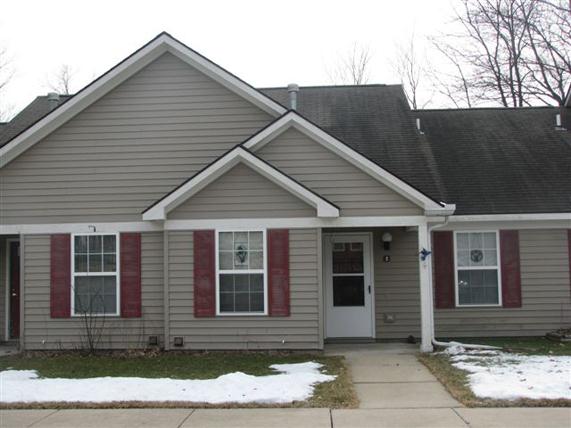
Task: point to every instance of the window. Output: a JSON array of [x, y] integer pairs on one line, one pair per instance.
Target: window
[[241, 272], [477, 272], [95, 275]]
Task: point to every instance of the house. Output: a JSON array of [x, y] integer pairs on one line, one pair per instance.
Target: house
[[173, 203]]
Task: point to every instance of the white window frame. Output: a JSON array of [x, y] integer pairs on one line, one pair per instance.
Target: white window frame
[[263, 271], [457, 268], [117, 273]]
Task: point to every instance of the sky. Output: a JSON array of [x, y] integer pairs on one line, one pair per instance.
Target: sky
[[266, 43]]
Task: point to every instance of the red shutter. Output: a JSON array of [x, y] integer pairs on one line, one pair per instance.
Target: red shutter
[[60, 276], [130, 260], [204, 274], [443, 252], [278, 272], [511, 276], [569, 254]]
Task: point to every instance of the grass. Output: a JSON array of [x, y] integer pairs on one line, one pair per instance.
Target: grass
[[456, 380], [181, 365], [525, 345]]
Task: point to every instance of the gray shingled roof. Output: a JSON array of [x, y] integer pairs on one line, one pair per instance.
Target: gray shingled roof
[[486, 161], [498, 160], [28, 116]]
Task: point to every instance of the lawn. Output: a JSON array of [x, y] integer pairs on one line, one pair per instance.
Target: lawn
[[456, 380], [178, 365]]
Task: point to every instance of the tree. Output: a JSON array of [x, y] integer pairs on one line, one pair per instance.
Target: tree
[[511, 52], [61, 82], [6, 74], [353, 67], [412, 71]]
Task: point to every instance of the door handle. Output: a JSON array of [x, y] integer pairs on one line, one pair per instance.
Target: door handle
[[369, 289]]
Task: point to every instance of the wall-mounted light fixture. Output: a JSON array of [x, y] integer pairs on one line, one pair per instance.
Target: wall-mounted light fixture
[[387, 239]]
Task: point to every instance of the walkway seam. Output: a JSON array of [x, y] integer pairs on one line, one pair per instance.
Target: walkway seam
[[41, 419], [186, 418], [460, 416], [331, 417]]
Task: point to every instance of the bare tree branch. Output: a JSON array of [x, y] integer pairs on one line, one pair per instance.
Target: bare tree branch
[[62, 80], [511, 52], [6, 74], [353, 67], [412, 71]]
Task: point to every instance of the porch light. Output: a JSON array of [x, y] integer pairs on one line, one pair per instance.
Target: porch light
[[387, 239]]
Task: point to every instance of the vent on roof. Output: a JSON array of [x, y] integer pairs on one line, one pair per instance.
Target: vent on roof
[[418, 127], [53, 96], [293, 89]]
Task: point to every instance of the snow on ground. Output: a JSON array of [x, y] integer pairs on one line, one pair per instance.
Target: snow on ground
[[293, 382], [506, 376]]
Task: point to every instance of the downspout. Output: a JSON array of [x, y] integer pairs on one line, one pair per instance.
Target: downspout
[[433, 335]]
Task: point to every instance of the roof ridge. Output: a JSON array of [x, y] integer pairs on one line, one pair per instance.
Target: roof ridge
[[368, 85], [485, 108]]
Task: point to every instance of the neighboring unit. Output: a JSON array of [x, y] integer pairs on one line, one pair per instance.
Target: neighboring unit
[[171, 203]]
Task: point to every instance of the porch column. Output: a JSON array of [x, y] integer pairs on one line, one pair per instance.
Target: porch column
[[426, 301]]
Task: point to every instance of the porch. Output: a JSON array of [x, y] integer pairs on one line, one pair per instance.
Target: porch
[[371, 279]]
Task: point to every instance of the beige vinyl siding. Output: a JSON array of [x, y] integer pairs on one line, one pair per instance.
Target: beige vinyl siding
[[242, 193], [546, 294], [356, 193], [128, 149], [43, 332], [397, 289], [298, 331]]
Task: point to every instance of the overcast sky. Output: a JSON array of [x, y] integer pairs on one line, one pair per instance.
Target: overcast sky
[[266, 43]]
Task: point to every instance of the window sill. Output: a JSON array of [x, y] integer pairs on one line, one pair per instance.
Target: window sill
[[241, 314], [495, 305]]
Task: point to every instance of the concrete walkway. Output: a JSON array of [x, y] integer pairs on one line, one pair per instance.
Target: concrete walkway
[[394, 388], [389, 376], [294, 418]]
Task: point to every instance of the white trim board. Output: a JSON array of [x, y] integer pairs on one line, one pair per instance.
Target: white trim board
[[293, 119], [159, 45], [234, 157], [237, 223]]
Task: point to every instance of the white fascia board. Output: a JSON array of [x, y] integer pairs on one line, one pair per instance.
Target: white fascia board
[[295, 223], [510, 217], [347, 153], [91, 93], [107, 227], [159, 212], [234, 224]]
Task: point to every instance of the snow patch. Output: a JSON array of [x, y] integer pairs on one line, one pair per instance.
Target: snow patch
[[505, 376], [294, 382]]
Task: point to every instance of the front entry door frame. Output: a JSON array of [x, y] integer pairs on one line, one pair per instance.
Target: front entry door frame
[[8, 279], [328, 239]]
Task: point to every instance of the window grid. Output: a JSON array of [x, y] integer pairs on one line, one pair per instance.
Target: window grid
[[226, 275], [458, 246], [101, 249]]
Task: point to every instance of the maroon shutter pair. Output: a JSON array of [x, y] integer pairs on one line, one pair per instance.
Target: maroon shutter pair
[[130, 275], [444, 275], [205, 273]]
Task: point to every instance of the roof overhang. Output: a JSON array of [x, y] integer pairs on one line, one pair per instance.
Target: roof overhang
[[295, 120], [161, 44], [160, 209]]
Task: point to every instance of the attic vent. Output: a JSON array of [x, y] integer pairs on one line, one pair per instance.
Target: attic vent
[[53, 96], [558, 120], [293, 89]]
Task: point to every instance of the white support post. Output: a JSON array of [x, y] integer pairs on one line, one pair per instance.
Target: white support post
[[426, 305]]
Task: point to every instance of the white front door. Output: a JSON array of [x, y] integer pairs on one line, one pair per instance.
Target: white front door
[[348, 286]]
